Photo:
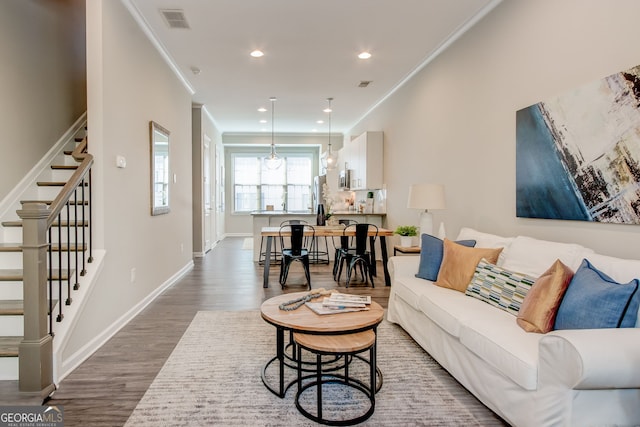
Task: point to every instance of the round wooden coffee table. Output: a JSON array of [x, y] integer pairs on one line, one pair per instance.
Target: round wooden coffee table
[[306, 321]]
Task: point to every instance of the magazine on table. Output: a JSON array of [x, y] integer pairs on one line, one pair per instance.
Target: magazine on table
[[349, 298], [320, 308]]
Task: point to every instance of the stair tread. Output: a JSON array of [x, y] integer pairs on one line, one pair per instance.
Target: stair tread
[[48, 202], [10, 247], [11, 308], [54, 183], [16, 274], [17, 247], [64, 223], [64, 167], [9, 346]]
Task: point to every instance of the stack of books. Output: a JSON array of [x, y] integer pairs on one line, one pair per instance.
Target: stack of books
[[341, 303]]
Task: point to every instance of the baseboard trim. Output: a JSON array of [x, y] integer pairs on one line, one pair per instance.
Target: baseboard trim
[[68, 365]]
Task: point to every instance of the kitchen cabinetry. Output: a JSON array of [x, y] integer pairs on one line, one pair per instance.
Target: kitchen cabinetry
[[363, 156]]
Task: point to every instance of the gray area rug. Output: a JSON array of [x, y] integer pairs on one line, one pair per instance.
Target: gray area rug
[[212, 378]]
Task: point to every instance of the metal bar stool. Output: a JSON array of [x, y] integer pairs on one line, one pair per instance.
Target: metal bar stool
[[348, 346]]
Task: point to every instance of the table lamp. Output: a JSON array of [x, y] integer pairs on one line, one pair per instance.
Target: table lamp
[[426, 196]]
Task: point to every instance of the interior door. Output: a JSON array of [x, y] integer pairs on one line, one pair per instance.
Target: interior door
[[206, 189]]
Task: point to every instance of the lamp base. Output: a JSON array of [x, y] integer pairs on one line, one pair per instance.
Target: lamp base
[[426, 223]]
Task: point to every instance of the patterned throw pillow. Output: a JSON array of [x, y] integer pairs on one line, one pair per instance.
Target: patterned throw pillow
[[499, 287]]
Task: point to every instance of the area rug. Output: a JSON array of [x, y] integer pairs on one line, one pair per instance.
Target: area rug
[[212, 378]]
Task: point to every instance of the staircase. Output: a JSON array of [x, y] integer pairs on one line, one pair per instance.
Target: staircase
[[45, 248]]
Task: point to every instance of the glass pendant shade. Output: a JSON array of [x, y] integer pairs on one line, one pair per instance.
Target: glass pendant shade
[[272, 162], [329, 158]]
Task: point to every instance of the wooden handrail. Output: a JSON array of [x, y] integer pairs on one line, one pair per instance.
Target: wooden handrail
[[86, 161]]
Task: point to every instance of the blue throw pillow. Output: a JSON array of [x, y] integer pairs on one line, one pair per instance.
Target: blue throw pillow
[[594, 300], [431, 256]]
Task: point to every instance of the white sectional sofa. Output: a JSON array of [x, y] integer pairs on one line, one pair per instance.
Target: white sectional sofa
[[573, 377]]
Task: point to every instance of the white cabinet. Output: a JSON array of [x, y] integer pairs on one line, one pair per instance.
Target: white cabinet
[[364, 157]]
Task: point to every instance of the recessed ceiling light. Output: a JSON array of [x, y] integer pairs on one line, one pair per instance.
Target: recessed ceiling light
[[262, 109], [263, 121], [320, 122], [257, 53], [314, 130], [327, 110], [364, 55]]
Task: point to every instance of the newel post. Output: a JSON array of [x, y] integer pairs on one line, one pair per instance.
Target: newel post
[[36, 349]]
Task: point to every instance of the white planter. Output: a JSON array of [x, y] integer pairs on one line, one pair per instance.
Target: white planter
[[406, 241]]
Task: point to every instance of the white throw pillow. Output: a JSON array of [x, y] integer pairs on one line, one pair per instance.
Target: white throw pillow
[[486, 240], [533, 257]]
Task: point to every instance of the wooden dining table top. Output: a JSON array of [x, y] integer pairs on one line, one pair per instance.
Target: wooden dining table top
[[325, 230]]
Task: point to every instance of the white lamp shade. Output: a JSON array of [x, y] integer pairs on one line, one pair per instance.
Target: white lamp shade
[[426, 196]]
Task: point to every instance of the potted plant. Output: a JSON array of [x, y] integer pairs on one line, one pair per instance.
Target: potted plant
[[406, 232]]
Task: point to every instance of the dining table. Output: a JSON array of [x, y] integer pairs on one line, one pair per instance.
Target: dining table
[[328, 231]]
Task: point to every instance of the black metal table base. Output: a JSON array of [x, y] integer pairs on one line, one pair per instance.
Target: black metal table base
[[322, 377]]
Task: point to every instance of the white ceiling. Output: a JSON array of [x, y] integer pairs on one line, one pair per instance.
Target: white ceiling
[[310, 48]]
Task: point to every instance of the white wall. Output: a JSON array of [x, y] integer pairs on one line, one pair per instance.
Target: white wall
[[454, 122], [202, 125], [42, 80], [130, 84]]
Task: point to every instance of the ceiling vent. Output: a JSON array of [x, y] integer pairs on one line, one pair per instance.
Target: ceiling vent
[[175, 18], [364, 83]]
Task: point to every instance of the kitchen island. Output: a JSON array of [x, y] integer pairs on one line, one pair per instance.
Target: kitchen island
[[275, 218]]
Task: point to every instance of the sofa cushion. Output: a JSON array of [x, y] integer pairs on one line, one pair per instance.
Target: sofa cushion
[[410, 289], [499, 287], [431, 256], [487, 240], [459, 262], [447, 308], [494, 337], [532, 256], [594, 300], [539, 308]]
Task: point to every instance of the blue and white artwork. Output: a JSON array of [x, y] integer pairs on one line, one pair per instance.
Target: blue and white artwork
[[578, 155]]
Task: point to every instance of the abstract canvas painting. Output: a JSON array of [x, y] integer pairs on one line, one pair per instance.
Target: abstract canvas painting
[[578, 155]]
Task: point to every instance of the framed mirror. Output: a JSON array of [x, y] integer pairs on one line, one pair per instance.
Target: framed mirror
[[159, 169]]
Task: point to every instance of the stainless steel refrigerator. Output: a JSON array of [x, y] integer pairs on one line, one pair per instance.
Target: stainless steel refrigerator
[[317, 197]]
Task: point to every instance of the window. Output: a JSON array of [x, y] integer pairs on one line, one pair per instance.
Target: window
[[288, 187]]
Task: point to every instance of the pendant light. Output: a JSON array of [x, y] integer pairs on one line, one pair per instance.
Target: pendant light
[[329, 158], [273, 161]]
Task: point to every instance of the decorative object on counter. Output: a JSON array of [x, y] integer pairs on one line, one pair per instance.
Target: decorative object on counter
[[426, 196], [329, 158], [406, 233], [329, 198], [368, 208], [273, 161], [269, 207], [320, 218]]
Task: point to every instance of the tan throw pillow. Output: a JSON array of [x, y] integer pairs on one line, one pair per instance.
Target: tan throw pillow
[[459, 263], [539, 308]]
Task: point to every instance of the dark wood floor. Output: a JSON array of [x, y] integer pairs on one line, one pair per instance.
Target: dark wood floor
[[105, 389]]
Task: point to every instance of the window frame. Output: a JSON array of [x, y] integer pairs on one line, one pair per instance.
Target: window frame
[[306, 151]]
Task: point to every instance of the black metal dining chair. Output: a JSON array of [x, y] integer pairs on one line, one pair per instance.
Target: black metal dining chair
[[345, 243], [298, 249], [362, 255]]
